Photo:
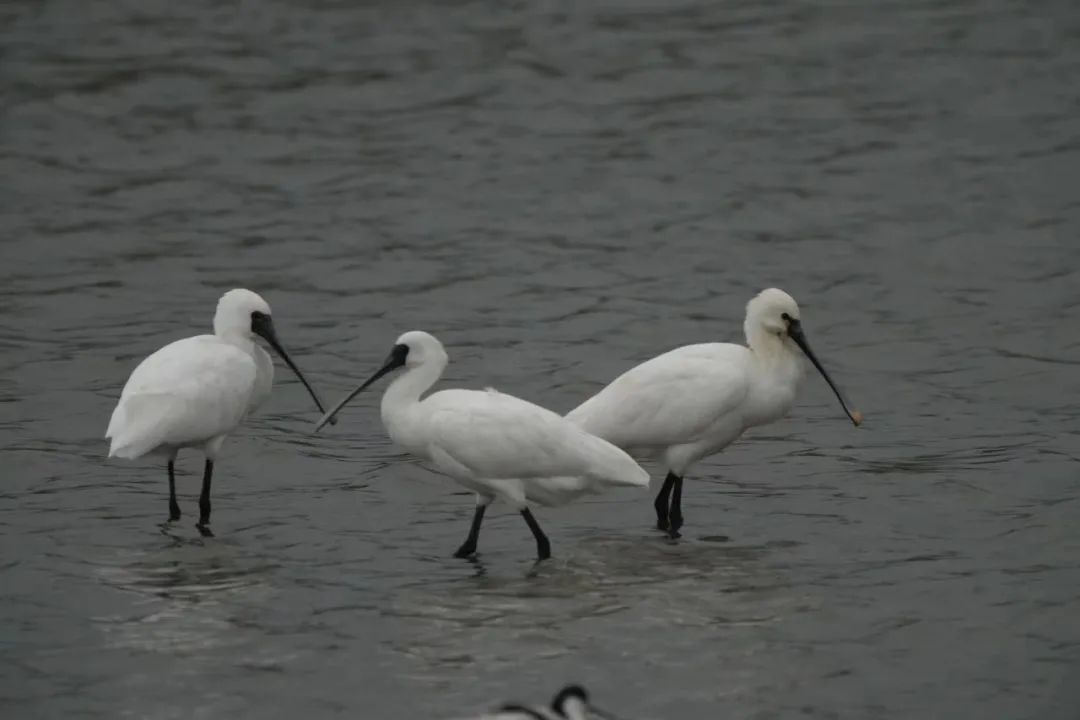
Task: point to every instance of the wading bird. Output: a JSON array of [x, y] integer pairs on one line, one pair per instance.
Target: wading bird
[[193, 392], [494, 444], [572, 703], [694, 401]]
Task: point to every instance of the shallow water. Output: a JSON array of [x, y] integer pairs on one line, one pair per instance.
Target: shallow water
[[558, 190]]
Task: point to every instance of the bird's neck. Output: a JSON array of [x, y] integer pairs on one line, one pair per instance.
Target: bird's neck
[[405, 391], [776, 356], [574, 709], [241, 340], [763, 342], [776, 372]]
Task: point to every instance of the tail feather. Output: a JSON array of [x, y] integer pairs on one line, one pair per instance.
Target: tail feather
[[130, 451], [115, 421], [614, 467], [135, 426], [130, 446], [588, 419]]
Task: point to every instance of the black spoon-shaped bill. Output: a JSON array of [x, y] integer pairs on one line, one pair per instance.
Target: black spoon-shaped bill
[[395, 360], [263, 326], [796, 333]]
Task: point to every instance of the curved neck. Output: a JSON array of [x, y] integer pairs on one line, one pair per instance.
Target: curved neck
[[243, 340], [765, 344], [574, 709], [774, 352], [406, 389]]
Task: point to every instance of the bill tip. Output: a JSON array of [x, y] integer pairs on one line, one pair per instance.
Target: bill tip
[[856, 417]]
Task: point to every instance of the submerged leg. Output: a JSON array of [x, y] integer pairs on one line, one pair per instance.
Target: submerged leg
[[174, 507], [469, 546], [675, 519], [661, 502], [204, 500], [543, 547]]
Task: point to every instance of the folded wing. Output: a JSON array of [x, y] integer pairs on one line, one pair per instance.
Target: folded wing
[[187, 392], [491, 435], [669, 399]]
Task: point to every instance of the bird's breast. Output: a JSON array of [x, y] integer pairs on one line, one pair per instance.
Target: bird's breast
[[404, 431], [771, 396]]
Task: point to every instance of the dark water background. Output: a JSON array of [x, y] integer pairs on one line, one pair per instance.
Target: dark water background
[[558, 190]]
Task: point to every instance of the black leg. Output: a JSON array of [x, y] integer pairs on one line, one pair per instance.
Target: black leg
[[204, 501], [174, 507], [675, 519], [469, 546], [543, 547], [661, 503]]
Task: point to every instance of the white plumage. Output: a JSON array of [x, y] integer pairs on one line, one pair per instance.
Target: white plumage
[[190, 393], [193, 392], [678, 405], [500, 445], [494, 444], [695, 400]]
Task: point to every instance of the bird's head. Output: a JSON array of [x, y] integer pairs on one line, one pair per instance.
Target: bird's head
[[413, 349], [244, 314], [773, 321]]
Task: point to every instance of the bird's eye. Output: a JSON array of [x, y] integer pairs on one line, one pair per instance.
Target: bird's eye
[[785, 317]]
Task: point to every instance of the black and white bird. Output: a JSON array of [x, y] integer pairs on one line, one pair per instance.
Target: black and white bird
[[571, 703]]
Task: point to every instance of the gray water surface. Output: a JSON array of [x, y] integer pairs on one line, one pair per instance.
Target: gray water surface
[[558, 190]]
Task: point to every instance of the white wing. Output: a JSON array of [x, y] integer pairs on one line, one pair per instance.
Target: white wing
[[671, 399], [492, 436], [187, 392]]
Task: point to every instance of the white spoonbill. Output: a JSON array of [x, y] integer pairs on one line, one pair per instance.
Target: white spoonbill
[[695, 400], [195, 391], [572, 703], [494, 444]]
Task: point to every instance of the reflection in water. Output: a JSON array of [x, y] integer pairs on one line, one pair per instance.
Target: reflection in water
[[192, 586], [190, 569], [621, 586]]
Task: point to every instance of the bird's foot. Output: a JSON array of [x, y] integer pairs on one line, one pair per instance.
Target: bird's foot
[[174, 515], [676, 522], [465, 551], [669, 524], [673, 525], [204, 530], [543, 550]]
